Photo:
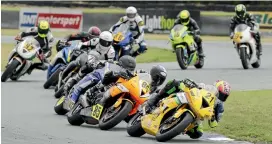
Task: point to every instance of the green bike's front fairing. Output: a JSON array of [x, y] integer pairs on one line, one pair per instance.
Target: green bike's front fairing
[[180, 35], [179, 38]]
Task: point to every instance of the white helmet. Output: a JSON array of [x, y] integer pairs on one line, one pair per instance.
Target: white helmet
[[105, 41], [131, 13]]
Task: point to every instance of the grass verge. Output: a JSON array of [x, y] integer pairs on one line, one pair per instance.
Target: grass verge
[[247, 116], [14, 32], [152, 55]]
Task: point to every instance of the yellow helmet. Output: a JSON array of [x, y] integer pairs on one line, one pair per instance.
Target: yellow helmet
[[240, 10], [185, 17], [43, 28]]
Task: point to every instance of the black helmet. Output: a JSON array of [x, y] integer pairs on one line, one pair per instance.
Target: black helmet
[[128, 63], [158, 74]]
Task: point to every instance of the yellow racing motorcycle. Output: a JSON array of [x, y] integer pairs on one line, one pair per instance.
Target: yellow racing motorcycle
[[185, 47], [178, 113]]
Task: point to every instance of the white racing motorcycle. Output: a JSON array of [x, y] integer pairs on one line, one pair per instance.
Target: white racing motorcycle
[[20, 59], [246, 46]]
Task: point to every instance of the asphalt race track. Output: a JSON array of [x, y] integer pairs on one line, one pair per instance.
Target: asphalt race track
[[28, 116]]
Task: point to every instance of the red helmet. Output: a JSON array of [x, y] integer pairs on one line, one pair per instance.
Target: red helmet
[[94, 31], [223, 88]]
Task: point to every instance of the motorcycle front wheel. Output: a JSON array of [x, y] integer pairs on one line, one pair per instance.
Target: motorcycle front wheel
[[181, 58], [9, 70]]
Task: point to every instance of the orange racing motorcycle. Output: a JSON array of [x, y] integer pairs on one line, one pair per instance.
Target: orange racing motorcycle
[[126, 96]]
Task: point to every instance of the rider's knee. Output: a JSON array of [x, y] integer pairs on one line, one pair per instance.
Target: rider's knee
[[198, 38], [143, 47]]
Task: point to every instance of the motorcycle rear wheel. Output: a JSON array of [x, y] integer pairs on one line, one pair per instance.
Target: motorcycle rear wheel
[[134, 127]]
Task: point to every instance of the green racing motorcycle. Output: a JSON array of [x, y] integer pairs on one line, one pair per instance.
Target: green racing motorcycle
[[185, 48]]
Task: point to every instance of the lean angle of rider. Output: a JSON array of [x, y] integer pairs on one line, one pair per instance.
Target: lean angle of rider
[[242, 17], [45, 38], [124, 68], [184, 18], [136, 24], [90, 39], [102, 45], [83, 36], [221, 89]]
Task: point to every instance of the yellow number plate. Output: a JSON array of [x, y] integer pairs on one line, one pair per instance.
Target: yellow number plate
[[96, 111]]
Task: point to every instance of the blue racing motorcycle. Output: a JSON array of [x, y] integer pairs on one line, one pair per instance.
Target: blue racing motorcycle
[[59, 63], [122, 41]]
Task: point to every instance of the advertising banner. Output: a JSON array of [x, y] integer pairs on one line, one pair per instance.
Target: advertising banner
[[264, 19], [59, 19], [161, 21]]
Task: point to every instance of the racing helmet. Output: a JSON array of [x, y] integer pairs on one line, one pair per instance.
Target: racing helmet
[[43, 28], [158, 74], [131, 13], [223, 88], [105, 41], [240, 10], [127, 62], [184, 17], [94, 31]]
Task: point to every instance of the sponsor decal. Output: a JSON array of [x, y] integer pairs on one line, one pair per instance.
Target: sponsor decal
[[64, 20], [263, 18]]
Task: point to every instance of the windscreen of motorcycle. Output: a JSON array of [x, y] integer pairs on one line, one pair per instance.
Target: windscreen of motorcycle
[[145, 81], [241, 28], [178, 31], [120, 33], [27, 49]]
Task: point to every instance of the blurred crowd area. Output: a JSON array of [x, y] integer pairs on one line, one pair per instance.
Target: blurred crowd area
[[195, 5]]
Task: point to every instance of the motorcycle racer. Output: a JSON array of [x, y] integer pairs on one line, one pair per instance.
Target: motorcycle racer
[[45, 38], [242, 17], [136, 25], [124, 68], [93, 32], [184, 18], [220, 88], [103, 46]]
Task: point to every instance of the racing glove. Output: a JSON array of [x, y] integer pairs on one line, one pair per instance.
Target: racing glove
[[212, 123], [191, 32], [231, 35]]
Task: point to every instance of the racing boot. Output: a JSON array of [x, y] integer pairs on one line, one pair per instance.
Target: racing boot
[[259, 45], [40, 66], [105, 97], [141, 50], [70, 83], [195, 132], [200, 49], [68, 69]]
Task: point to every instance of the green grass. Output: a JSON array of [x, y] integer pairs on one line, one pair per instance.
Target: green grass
[[14, 32], [156, 55], [247, 116], [152, 55]]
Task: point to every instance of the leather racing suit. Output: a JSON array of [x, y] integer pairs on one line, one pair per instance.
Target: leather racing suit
[[173, 86], [195, 31], [46, 47], [248, 20], [137, 29]]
